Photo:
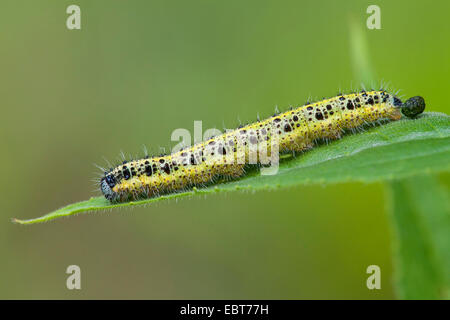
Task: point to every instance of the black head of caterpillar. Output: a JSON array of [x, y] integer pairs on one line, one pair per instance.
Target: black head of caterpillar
[[412, 107]]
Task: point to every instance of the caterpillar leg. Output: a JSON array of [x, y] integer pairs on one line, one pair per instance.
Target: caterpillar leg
[[234, 171], [334, 135]]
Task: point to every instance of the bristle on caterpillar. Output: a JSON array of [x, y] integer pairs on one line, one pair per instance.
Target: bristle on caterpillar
[[295, 130]]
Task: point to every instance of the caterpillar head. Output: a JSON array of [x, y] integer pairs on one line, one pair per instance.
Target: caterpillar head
[[412, 107], [106, 185]]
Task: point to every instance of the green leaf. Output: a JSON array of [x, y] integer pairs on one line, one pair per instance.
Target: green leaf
[[391, 151], [420, 212]]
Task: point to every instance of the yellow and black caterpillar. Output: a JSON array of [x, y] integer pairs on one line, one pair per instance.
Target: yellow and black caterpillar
[[227, 154]]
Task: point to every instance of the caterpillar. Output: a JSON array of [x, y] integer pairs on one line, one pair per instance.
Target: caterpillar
[[295, 130]]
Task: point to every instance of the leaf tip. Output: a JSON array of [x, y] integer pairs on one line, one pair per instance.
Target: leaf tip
[[16, 221]]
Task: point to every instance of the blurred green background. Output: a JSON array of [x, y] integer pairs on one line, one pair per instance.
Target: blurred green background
[[136, 71]]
